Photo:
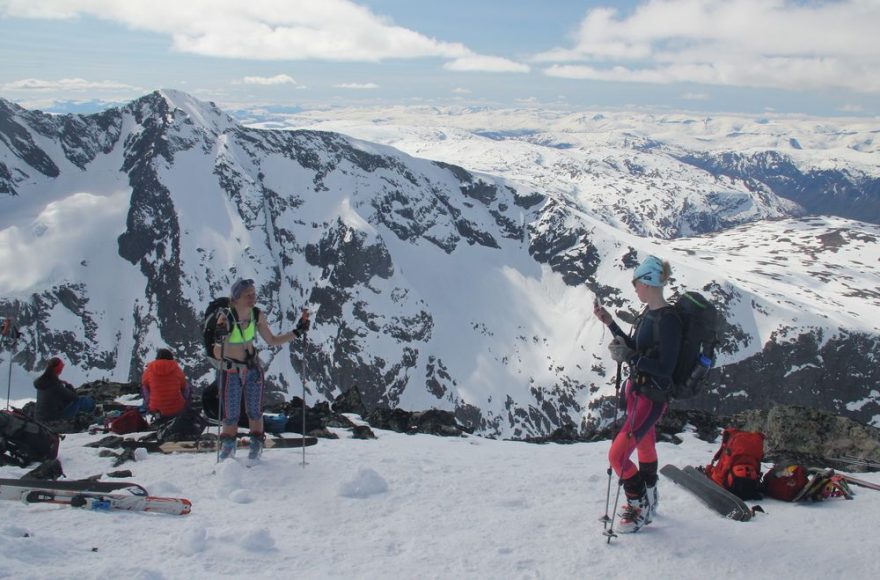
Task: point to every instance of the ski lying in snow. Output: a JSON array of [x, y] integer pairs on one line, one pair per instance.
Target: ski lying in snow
[[707, 491], [860, 482], [206, 445], [78, 485], [131, 498], [97, 501]]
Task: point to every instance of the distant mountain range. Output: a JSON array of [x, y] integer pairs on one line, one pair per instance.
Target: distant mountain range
[[460, 278]]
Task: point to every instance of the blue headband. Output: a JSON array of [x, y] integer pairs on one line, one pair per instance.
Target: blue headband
[[650, 272]]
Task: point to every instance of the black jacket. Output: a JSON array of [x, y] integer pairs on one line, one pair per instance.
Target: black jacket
[[53, 395]]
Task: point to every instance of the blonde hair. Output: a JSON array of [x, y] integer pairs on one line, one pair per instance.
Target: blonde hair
[[666, 273]]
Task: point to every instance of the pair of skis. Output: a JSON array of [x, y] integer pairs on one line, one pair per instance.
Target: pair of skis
[[710, 493], [94, 495], [211, 444], [202, 445]]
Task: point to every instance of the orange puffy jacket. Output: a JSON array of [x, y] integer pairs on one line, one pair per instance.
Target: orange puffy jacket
[[164, 384]]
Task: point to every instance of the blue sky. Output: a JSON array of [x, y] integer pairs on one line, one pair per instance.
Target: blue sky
[[806, 56]]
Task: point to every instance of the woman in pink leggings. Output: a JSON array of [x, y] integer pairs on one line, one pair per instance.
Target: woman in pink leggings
[[651, 353]]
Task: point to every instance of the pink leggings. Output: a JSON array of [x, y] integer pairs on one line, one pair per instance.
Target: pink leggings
[[636, 434]]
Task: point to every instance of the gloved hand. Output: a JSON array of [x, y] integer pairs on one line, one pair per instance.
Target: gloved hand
[[303, 326], [620, 352]]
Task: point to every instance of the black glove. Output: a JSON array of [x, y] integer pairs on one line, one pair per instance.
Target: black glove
[[620, 352], [302, 326]]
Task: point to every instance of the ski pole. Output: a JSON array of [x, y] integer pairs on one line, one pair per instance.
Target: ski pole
[[305, 314], [610, 531], [606, 518], [220, 388], [10, 334]]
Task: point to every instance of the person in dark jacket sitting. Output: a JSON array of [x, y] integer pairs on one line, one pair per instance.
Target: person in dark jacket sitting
[[57, 399]]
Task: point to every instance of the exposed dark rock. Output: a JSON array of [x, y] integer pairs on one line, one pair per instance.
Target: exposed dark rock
[[812, 432], [766, 379], [47, 470], [568, 251], [347, 259], [433, 422], [362, 432], [838, 192], [20, 142], [706, 425], [121, 473], [350, 402], [565, 434], [108, 391], [323, 433]]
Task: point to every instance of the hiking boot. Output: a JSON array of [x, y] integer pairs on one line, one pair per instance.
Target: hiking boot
[[634, 514], [653, 495], [227, 447], [256, 446]]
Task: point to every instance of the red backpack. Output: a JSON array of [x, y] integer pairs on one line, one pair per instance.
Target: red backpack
[[130, 421], [784, 482], [737, 465]]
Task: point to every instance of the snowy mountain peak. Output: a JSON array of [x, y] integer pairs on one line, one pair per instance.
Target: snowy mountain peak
[[432, 285]]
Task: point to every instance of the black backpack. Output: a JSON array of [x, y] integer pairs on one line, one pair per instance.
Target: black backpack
[[24, 440], [188, 426], [699, 335], [209, 321]]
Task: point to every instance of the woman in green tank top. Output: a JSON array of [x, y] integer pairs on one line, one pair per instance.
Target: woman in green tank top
[[243, 374]]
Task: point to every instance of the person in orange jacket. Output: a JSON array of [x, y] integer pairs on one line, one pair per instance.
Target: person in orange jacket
[[164, 387]]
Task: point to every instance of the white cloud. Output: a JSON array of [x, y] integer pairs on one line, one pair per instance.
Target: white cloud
[[691, 96], [334, 30], [461, 91], [784, 44], [479, 63], [848, 108], [66, 85], [268, 81], [357, 86]]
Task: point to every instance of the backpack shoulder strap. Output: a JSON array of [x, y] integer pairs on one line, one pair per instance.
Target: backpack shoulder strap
[[725, 439], [666, 311]]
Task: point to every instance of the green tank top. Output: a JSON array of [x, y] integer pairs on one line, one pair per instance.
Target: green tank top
[[236, 336]]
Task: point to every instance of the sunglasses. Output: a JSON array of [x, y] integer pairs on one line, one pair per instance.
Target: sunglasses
[[239, 288], [640, 278]]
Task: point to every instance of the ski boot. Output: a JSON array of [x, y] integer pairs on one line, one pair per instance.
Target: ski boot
[[227, 447], [256, 446], [634, 514]]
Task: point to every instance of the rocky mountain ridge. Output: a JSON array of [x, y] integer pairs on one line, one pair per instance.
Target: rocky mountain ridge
[[431, 286]]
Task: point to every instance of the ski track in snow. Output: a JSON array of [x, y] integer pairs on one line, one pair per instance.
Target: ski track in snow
[[422, 507]]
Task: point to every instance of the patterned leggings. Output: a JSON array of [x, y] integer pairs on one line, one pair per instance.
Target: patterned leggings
[[253, 395]]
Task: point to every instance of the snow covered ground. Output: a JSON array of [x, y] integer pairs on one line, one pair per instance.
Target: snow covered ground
[[422, 507]]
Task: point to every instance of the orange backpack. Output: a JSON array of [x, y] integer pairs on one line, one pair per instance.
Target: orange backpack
[[737, 465]]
